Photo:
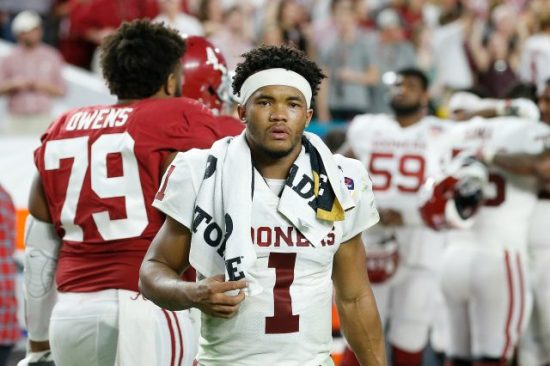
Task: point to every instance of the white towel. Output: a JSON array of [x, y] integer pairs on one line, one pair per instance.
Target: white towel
[[314, 197]]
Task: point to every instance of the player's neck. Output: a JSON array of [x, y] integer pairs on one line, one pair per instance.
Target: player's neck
[[409, 119], [161, 94], [274, 168]]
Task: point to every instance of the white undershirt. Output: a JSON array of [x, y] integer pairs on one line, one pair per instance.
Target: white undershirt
[[276, 185]]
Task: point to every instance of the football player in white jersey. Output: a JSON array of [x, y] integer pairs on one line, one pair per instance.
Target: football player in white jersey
[[242, 222], [484, 277], [535, 345], [400, 151]]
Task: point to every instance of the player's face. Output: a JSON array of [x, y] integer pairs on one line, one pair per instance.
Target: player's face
[[276, 117], [544, 105], [408, 96]]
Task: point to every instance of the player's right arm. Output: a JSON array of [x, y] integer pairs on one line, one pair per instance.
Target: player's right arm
[[160, 281]]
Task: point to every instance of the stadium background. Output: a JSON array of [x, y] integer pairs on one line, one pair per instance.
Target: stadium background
[[475, 45]]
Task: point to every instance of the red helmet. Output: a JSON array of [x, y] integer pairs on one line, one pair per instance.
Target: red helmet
[[382, 260], [205, 76], [453, 200]]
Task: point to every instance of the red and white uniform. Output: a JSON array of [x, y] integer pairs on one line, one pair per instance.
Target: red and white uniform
[[398, 160], [535, 346], [485, 279], [268, 329], [100, 168]]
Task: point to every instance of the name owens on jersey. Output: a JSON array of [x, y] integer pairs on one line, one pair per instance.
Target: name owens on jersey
[[100, 168]]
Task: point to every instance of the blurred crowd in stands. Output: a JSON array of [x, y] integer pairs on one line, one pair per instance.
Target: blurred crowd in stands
[[492, 47]]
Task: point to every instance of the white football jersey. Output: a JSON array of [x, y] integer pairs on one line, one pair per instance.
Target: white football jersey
[[538, 229], [398, 160], [503, 220], [289, 322]]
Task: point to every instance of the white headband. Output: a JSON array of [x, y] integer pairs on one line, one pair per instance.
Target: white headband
[[275, 77]]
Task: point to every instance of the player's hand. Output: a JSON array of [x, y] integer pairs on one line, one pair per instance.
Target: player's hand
[[43, 358], [211, 298], [518, 107], [389, 217]]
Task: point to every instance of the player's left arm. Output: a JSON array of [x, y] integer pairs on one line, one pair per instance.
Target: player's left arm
[[533, 161], [356, 305], [537, 165]]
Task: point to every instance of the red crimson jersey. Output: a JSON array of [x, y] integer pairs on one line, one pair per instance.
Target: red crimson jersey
[[100, 168], [229, 126]]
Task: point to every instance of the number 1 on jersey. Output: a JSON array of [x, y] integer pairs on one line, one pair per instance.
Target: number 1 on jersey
[[282, 321]]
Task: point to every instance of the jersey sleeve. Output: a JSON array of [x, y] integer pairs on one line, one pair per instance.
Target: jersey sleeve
[[364, 214], [178, 189], [204, 126], [187, 125]]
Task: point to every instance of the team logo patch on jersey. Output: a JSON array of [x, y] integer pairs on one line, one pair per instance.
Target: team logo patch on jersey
[[349, 183], [436, 130]]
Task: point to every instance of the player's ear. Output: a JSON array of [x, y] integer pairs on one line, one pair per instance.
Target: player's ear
[[309, 115], [170, 87], [241, 111]]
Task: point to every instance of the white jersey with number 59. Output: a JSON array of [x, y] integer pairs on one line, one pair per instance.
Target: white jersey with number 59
[[398, 160]]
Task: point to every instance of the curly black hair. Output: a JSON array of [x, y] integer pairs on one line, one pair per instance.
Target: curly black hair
[[285, 57], [137, 59], [414, 72]]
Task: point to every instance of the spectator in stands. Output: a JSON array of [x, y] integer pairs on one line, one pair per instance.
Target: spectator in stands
[[535, 56], [410, 14], [9, 327], [76, 50], [350, 67], [450, 58], [291, 20], [390, 52], [233, 38], [101, 18], [172, 15], [30, 76], [13, 7], [325, 29], [272, 35], [495, 54], [210, 14]]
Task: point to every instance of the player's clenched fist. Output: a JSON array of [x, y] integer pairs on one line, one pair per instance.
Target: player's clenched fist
[[212, 297]]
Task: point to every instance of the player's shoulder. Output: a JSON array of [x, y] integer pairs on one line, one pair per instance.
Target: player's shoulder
[[367, 123], [437, 121], [229, 126], [436, 126], [371, 119], [194, 159], [351, 169], [179, 105]]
